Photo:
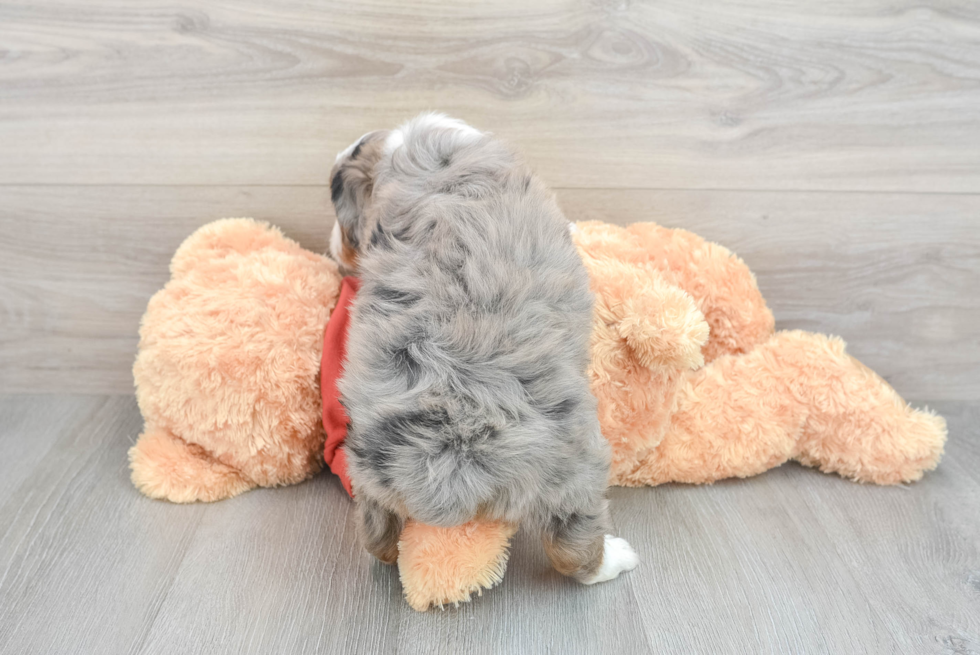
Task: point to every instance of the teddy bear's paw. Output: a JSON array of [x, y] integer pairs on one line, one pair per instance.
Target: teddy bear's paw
[[617, 556], [447, 566], [166, 467]]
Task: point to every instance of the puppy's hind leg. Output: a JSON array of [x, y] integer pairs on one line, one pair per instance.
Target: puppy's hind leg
[[578, 546], [379, 529]]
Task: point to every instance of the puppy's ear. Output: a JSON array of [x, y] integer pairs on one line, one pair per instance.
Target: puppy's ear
[[352, 185], [344, 194]]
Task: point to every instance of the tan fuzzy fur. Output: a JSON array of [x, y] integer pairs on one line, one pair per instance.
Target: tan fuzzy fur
[[227, 375]]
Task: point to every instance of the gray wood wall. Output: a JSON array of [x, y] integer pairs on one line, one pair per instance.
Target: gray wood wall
[[834, 145]]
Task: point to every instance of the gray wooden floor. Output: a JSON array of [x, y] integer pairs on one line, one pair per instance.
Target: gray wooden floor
[[834, 145], [790, 561]]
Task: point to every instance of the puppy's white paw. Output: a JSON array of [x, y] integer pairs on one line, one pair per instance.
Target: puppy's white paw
[[617, 556]]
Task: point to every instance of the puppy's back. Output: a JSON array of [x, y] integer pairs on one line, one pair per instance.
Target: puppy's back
[[465, 380]]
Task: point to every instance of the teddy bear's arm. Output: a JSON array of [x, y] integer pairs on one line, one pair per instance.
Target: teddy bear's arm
[[721, 284], [658, 322]]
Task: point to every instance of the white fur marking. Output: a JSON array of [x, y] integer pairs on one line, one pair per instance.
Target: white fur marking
[[572, 228], [336, 243], [617, 556], [349, 149], [393, 142], [432, 120], [346, 151]]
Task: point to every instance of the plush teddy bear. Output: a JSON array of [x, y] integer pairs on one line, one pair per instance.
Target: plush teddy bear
[[227, 373], [693, 383]]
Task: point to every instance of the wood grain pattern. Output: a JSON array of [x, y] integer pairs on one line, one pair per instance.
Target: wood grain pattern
[[834, 145], [752, 94], [789, 561], [894, 274]]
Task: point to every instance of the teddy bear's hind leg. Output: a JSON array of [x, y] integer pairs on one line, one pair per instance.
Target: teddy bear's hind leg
[[858, 425], [164, 466], [733, 418], [798, 396]]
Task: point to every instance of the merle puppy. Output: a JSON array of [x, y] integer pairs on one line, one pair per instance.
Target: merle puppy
[[465, 380]]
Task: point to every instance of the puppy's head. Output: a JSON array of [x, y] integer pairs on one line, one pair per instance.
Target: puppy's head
[[351, 189], [431, 139]]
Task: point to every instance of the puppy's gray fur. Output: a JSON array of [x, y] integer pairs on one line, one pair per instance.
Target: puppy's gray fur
[[465, 380]]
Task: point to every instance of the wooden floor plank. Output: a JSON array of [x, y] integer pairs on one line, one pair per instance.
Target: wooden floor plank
[[749, 95], [789, 561], [85, 567], [894, 274]]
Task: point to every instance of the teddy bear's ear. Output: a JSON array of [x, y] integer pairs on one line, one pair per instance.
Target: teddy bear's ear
[[659, 322], [220, 238]]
